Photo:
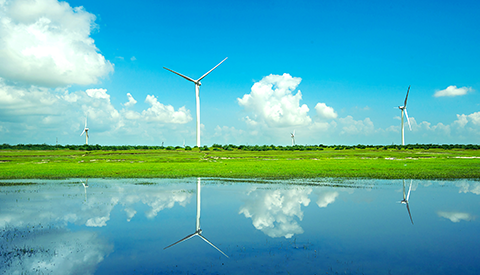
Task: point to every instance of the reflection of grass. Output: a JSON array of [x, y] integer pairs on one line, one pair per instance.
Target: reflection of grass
[[359, 163]]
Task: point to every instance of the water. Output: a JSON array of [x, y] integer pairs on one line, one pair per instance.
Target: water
[[318, 226]]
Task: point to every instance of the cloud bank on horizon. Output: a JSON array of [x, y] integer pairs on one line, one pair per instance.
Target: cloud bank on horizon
[[47, 48]]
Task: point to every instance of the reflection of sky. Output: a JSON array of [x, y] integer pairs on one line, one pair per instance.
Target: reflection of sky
[[51, 251], [35, 222], [123, 228]]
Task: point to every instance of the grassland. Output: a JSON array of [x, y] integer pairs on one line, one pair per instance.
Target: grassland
[[353, 163]]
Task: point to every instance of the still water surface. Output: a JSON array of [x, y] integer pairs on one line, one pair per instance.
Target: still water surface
[[318, 226]]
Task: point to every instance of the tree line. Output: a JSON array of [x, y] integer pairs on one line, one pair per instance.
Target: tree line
[[231, 147]]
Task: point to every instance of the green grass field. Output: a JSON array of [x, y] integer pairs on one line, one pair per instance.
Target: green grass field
[[352, 163]]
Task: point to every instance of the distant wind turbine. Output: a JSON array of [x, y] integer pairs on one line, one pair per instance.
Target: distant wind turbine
[[197, 94], [293, 137], [404, 110], [198, 230], [405, 199], [85, 130]]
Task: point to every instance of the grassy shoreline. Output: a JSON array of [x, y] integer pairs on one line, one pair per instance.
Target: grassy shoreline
[[357, 163]]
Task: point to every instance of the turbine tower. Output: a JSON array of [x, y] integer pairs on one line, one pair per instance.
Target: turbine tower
[[85, 130], [293, 137], [198, 230], [404, 110], [405, 199], [197, 94]]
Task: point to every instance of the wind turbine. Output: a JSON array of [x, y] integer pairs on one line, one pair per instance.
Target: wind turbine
[[405, 199], [293, 137], [404, 110], [197, 94], [198, 230], [85, 130]]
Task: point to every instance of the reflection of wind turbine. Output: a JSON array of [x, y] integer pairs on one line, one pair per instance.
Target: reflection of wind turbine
[[85, 185], [405, 199], [404, 110], [85, 130], [293, 137], [197, 94], [198, 230]]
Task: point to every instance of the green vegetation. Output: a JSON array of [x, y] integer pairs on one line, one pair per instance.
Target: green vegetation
[[231, 161]]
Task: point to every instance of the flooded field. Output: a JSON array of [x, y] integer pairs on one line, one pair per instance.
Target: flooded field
[[215, 226]]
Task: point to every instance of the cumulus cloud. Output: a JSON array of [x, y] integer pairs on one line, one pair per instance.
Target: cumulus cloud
[[131, 101], [165, 113], [229, 134], [272, 102], [355, 127], [325, 111], [452, 91], [455, 216], [47, 43], [273, 211]]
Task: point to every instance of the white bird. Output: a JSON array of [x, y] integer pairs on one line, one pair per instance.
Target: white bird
[[198, 230], [405, 199], [197, 94], [403, 109], [85, 130], [293, 137]]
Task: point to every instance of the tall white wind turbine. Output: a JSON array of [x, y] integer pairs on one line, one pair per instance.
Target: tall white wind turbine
[[85, 130], [197, 94], [404, 110], [198, 230], [293, 137]]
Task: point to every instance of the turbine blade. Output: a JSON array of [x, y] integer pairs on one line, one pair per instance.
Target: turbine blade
[[82, 132], [184, 239], [211, 69], [410, 214], [405, 104], [403, 189], [205, 239], [85, 122], [408, 120], [184, 76]]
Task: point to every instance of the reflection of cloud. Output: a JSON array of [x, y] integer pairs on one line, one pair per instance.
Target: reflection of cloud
[[465, 187], [273, 211], [455, 216], [53, 251], [40, 205], [326, 198]]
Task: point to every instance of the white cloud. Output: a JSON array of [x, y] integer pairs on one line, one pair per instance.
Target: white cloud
[[131, 101], [25, 112], [273, 211], [455, 216], [47, 43], [355, 127], [453, 91], [228, 135], [165, 113], [325, 111], [272, 102]]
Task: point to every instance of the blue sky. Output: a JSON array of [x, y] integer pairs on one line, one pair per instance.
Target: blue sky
[[333, 71]]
